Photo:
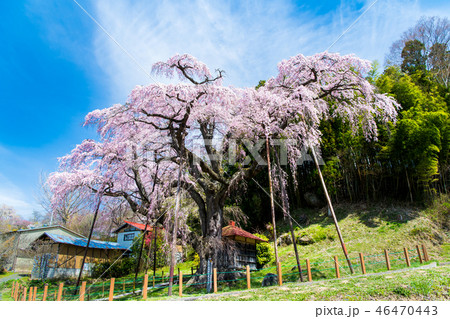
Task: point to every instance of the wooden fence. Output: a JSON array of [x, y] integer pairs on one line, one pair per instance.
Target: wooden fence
[[107, 291]]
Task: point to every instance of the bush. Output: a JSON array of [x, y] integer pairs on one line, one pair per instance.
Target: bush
[[264, 252], [318, 233], [121, 268]]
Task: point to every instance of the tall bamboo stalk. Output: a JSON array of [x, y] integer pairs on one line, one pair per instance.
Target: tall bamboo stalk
[[332, 210]]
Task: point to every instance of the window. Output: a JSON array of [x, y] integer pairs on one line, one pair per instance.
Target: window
[[128, 237]]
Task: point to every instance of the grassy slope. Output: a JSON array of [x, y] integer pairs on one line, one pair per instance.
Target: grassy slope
[[426, 284], [371, 229]]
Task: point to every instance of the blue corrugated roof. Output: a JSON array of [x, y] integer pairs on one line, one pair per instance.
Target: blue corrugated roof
[[83, 242]]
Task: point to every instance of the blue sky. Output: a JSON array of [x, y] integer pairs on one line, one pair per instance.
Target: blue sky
[[57, 64]]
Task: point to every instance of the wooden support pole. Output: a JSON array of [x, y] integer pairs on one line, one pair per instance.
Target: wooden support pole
[[330, 206], [336, 265], [30, 296], [388, 262], [215, 279], [408, 263], [83, 290], [123, 286], [55, 296], [248, 277], [34, 293], [425, 253], [180, 283], [308, 269], [60, 289], [24, 297], [363, 266], [111, 289], [153, 281], [44, 296], [280, 274], [145, 287], [272, 206]]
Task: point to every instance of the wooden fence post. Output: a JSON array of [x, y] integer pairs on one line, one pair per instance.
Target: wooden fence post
[[280, 274], [16, 290], [30, 296], [180, 284], [418, 254], [308, 269], [13, 290], [215, 279], [425, 253], [363, 266], [24, 297], [34, 293], [44, 296], [111, 289], [336, 265], [388, 262], [123, 286], [153, 281], [82, 290], [60, 289], [408, 263], [248, 277], [145, 287], [162, 276]]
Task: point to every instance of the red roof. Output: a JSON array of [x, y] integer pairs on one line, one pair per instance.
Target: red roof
[[138, 225], [233, 230]]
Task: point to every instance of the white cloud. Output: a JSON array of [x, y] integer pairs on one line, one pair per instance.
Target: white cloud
[[245, 39], [12, 195]]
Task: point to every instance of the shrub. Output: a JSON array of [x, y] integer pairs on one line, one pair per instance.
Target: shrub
[[264, 252], [318, 233], [121, 268]]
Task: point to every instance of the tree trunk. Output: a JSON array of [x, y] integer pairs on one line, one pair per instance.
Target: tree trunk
[[212, 246]]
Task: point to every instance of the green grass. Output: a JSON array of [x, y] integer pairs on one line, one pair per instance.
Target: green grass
[[424, 284], [5, 274]]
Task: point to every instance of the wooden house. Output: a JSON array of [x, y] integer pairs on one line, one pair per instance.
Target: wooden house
[[61, 256], [245, 246], [129, 231], [18, 243]]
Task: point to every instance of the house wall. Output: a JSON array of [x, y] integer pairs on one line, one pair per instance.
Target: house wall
[[125, 238], [22, 239], [245, 252], [70, 257]]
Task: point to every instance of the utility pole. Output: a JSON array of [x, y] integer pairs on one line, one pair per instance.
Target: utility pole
[[330, 206]]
